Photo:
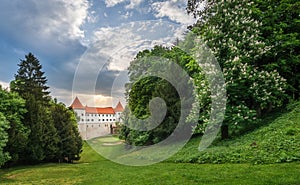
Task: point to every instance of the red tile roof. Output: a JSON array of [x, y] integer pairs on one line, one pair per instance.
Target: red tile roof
[[97, 110], [119, 107], [77, 104]]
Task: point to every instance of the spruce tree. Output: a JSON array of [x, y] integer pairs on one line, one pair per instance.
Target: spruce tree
[[30, 80], [30, 83]]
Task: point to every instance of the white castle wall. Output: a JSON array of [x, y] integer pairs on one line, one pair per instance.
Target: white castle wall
[[95, 125], [93, 130]]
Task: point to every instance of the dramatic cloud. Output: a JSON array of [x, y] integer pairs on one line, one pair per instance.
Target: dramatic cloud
[[120, 44], [131, 3], [56, 20], [134, 4], [173, 11], [87, 42], [51, 30], [111, 3], [101, 69]]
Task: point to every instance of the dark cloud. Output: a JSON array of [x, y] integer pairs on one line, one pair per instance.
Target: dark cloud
[[50, 30], [105, 82], [79, 56]]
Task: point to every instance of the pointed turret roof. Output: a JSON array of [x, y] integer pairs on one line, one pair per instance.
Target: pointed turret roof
[[77, 104], [119, 107]]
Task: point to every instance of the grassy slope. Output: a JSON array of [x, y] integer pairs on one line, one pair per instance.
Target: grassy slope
[[278, 141], [93, 169]]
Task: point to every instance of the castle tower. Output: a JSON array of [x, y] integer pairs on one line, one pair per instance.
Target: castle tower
[[118, 110]]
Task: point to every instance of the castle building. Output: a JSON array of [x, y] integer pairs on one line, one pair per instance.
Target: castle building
[[96, 121]]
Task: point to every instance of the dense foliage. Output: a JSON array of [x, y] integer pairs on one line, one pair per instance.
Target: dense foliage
[[281, 29], [69, 142], [140, 92], [234, 34], [35, 128], [3, 139], [255, 43], [278, 29], [30, 84], [12, 106]]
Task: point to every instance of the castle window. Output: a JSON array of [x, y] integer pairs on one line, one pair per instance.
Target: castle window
[[92, 119], [82, 114], [106, 119], [103, 120], [82, 120], [88, 119]]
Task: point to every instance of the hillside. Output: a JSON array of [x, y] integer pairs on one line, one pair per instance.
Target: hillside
[[94, 169], [277, 141]]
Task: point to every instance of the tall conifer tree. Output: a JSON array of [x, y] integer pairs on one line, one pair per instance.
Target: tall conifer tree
[[30, 83], [30, 79]]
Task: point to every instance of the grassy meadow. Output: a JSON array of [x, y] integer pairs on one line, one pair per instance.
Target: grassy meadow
[[274, 159], [93, 169]]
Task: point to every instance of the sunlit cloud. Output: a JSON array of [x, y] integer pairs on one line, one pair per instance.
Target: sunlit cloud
[[90, 42], [174, 12]]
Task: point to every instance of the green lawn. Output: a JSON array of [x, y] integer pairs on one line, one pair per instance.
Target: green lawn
[[278, 140], [273, 160], [93, 169]]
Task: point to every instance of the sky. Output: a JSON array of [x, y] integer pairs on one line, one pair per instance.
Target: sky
[[85, 46]]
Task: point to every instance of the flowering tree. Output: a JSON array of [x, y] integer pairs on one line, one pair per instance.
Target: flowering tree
[[232, 33], [4, 156]]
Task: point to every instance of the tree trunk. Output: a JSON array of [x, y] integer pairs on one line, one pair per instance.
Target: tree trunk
[[224, 132], [270, 107], [258, 112]]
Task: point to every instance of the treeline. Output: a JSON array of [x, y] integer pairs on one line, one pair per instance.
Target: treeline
[[34, 127], [256, 43]]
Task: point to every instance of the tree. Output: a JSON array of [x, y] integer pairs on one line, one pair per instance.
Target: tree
[[232, 32], [280, 28], [30, 80], [12, 106], [70, 142], [4, 156], [147, 129], [30, 83]]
